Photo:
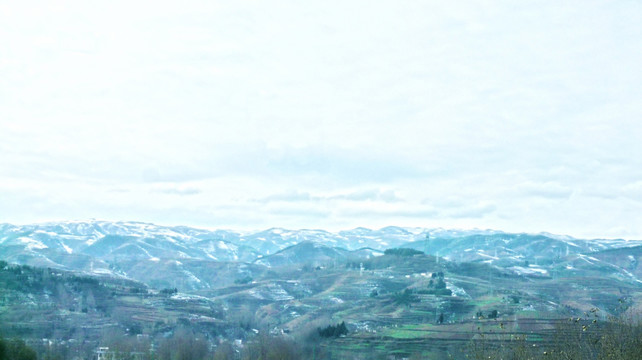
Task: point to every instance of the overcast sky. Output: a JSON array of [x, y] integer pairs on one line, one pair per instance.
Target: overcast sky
[[510, 115]]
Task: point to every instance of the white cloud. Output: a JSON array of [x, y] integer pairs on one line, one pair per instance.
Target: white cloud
[[493, 115], [633, 191], [180, 190], [550, 190]]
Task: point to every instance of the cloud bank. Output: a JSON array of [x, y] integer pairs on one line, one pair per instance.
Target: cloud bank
[[522, 117]]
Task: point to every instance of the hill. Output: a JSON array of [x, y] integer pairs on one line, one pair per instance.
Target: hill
[[92, 277]]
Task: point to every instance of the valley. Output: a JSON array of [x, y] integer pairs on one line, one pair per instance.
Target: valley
[[400, 292]]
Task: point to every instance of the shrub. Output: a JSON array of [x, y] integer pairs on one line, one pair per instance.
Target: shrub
[[244, 280], [405, 297], [574, 338], [169, 291], [402, 252]]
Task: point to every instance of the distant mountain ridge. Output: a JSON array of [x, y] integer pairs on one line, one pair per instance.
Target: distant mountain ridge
[[143, 251]]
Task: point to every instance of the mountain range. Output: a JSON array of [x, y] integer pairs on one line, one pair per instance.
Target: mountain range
[[86, 277], [176, 255]]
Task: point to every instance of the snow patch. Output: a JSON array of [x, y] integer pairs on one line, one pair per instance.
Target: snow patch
[[181, 296], [480, 253], [457, 291], [588, 258], [192, 276], [67, 248], [531, 270], [102, 271], [32, 244]]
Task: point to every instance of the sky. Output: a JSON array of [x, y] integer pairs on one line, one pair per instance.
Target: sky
[[521, 116]]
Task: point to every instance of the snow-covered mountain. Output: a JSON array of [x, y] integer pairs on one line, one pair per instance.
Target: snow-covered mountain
[[108, 242], [143, 250], [313, 253], [503, 249]]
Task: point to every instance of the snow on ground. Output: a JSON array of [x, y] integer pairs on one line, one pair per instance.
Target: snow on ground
[[152, 258], [32, 243], [457, 291], [192, 276], [182, 296], [254, 293], [587, 258], [49, 233], [278, 293], [531, 270], [67, 248], [102, 271], [481, 253]]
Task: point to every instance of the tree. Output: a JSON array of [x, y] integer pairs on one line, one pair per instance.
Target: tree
[[16, 349], [438, 287], [405, 297], [183, 346], [334, 330], [3, 349], [266, 347], [169, 291], [224, 351], [402, 252]]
